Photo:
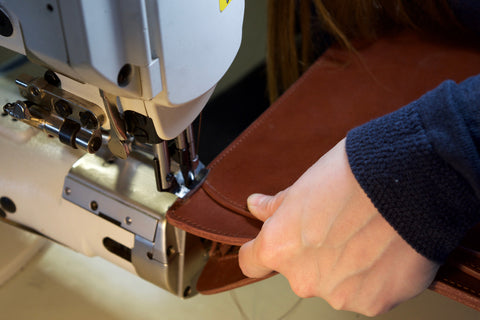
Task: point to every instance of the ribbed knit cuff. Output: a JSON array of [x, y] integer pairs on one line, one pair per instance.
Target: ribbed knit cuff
[[427, 202]]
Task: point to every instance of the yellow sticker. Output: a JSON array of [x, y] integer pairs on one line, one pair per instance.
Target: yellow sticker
[[224, 4]]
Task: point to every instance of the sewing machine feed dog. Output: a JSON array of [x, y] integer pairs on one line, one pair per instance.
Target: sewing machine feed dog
[[123, 82]]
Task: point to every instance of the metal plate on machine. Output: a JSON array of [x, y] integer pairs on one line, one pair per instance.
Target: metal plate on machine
[[121, 191]]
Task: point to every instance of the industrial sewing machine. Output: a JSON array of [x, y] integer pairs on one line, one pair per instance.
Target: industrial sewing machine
[[122, 82]]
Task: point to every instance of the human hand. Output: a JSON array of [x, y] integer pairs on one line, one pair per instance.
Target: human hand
[[326, 237]]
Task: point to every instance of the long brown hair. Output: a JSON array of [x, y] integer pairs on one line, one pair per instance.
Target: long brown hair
[[293, 24]]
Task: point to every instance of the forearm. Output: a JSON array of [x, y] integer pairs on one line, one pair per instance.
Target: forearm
[[420, 166]]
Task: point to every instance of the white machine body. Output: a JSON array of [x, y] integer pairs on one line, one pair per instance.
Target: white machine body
[[160, 59]]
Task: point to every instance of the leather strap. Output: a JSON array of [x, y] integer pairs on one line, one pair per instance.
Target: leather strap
[[336, 94]]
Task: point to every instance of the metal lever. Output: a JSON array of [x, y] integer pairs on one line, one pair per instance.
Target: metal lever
[[118, 143]]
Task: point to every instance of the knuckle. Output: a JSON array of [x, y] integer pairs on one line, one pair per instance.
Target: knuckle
[[274, 250], [376, 309], [303, 286], [344, 302], [243, 258], [301, 290], [266, 254], [372, 312], [337, 302], [271, 205]]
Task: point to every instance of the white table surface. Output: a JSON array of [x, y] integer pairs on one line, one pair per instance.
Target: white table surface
[[59, 283]]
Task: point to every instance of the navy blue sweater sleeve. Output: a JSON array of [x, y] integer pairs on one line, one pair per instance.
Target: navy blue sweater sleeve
[[420, 166]]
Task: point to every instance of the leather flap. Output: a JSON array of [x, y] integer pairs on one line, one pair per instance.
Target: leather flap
[[332, 97]]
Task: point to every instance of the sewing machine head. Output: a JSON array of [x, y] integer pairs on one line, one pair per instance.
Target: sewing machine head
[[151, 66], [130, 75]]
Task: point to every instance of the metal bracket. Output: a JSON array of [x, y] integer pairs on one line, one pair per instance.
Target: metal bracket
[[124, 192]]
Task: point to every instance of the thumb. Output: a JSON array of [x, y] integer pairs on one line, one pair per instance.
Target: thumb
[[263, 206]]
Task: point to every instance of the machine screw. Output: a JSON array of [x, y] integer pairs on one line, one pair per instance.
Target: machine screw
[[94, 144], [88, 120], [187, 291], [170, 251], [94, 205], [52, 78], [68, 191], [124, 75], [62, 108], [8, 205], [6, 27], [34, 91], [128, 220]]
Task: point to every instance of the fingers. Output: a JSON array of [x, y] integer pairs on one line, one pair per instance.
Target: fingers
[[249, 263], [263, 206], [251, 256]]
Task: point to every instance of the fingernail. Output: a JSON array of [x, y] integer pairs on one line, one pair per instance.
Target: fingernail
[[255, 199]]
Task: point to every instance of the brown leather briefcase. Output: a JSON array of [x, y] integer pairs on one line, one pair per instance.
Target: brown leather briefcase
[[336, 94]]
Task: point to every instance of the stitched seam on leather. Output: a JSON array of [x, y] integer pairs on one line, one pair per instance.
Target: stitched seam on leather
[[253, 128], [202, 227], [263, 118], [227, 257], [474, 266], [461, 286], [214, 193]]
